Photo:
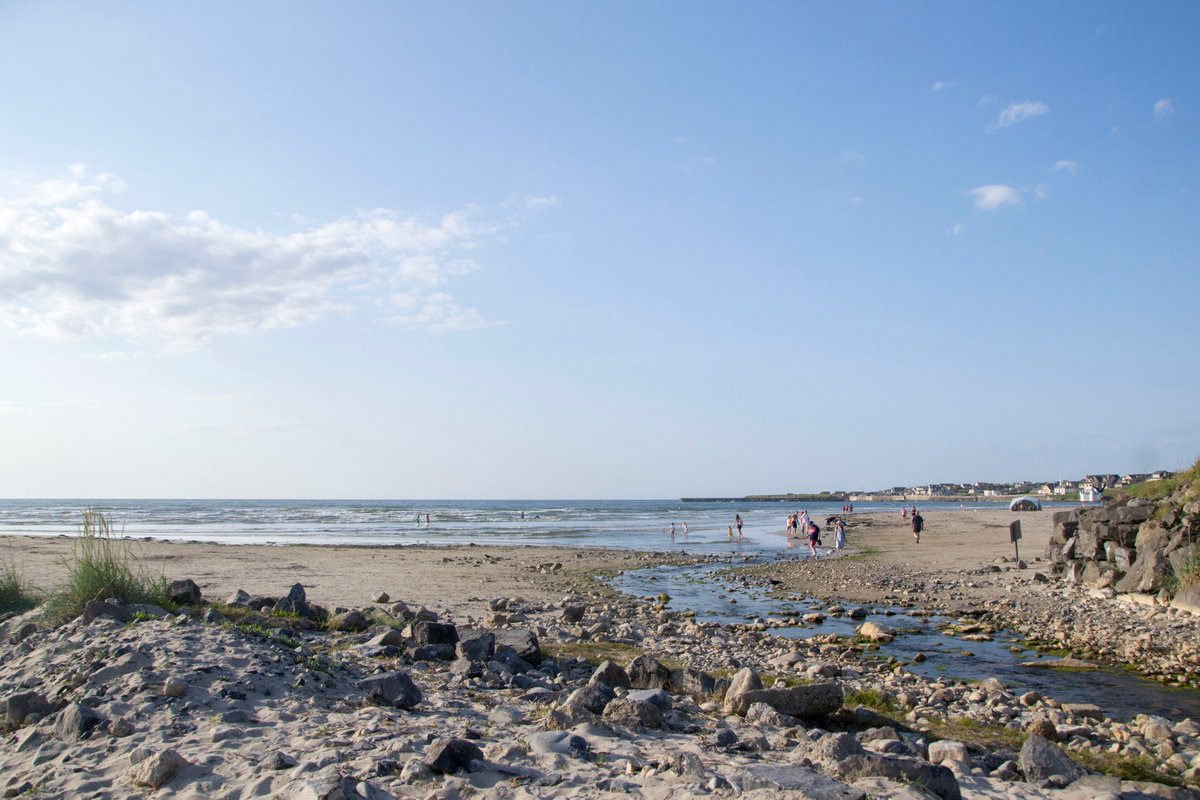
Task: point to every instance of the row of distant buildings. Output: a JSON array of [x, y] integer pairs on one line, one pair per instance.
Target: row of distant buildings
[[1089, 487]]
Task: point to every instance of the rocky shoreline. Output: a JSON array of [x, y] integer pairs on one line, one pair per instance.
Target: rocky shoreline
[[586, 696]]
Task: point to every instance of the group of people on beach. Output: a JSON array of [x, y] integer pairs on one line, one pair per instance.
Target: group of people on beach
[[802, 522]]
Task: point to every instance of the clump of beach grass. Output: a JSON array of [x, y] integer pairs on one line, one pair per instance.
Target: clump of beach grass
[[102, 565], [16, 593]]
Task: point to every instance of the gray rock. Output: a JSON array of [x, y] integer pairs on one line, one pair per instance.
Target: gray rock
[[296, 602], [425, 633], [572, 613], [1039, 759], [450, 755], [391, 689], [524, 643], [352, 621], [634, 714], [646, 673], [466, 668], [18, 708], [611, 674], [158, 769], [691, 682], [476, 645], [185, 592], [763, 714], [833, 748], [76, 721], [592, 697], [946, 750], [656, 696], [810, 701], [389, 638], [744, 680], [934, 779]]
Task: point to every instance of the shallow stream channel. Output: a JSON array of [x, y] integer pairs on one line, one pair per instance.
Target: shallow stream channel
[[717, 595]]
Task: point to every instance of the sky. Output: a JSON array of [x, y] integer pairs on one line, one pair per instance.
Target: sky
[[593, 250]]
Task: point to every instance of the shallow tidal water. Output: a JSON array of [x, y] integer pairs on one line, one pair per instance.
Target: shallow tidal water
[[715, 597]]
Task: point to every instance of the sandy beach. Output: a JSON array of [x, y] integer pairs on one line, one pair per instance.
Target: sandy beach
[[464, 577], [513, 673]]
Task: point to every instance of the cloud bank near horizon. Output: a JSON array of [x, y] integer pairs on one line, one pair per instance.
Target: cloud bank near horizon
[[76, 266]]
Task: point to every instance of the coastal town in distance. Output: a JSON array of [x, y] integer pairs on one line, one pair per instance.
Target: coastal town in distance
[[1088, 489]]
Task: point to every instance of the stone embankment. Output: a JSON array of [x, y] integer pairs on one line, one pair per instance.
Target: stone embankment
[[588, 697], [1132, 546]]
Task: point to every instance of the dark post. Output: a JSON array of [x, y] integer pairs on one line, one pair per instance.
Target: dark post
[[1014, 535]]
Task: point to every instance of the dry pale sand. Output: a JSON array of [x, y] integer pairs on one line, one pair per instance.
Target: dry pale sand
[[463, 578], [951, 539], [441, 578]]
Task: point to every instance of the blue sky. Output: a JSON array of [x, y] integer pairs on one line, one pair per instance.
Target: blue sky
[[474, 250]]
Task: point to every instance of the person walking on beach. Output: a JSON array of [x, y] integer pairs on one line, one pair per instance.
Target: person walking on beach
[[737, 520], [918, 524], [814, 536], [791, 526], [839, 535]]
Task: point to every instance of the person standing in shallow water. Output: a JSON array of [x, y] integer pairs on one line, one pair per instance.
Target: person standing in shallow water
[[839, 535], [918, 525], [737, 520]]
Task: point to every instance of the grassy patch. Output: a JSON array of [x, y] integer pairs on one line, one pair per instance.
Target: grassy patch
[[16, 594], [873, 699], [1157, 490], [1127, 768], [595, 652], [102, 566], [973, 732]]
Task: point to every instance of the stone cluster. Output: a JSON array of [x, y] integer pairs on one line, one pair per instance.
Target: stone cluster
[[587, 697], [1131, 546]]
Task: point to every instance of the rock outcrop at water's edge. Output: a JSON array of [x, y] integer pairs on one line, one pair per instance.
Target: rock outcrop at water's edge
[[229, 702]]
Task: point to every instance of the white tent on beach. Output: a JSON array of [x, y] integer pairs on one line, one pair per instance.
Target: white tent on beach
[[1025, 504]]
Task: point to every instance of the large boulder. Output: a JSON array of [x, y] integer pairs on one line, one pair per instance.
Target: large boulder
[[1147, 574], [76, 722], [391, 689], [426, 633], [611, 674], [646, 673], [745, 680], [185, 592], [691, 682], [932, 778], [524, 643], [810, 701], [634, 714], [450, 755], [1039, 759]]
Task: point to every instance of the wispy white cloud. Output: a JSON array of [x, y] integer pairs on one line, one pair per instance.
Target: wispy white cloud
[[1164, 108], [1019, 112], [993, 196], [1065, 166], [1041, 191], [76, 266], [852, 157], [550, 201], [939, 86], [956, 230]]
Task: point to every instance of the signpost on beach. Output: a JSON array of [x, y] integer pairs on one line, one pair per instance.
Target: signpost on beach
[[1014, 536]]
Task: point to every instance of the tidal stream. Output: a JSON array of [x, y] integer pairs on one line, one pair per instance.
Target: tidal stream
[[726, 599]]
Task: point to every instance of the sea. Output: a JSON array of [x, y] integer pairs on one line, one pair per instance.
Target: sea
[[620, 524]]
